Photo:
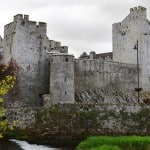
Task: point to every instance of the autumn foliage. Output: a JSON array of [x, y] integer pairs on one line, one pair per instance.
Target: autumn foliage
[[7, 81]]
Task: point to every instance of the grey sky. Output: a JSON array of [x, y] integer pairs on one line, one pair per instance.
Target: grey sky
[[83, 25]]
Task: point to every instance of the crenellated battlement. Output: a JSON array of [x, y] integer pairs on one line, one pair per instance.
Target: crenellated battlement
[[139, 8], [18, 17], [116, 25], [137, 12], [21, 17], [42, 24], [56, 47], [24, 19]]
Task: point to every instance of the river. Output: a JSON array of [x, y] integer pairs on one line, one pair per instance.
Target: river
[[23, 145]]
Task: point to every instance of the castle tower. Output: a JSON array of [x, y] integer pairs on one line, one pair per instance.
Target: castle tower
[[61, 78], [126, 33], [134, 27], [24, 42]]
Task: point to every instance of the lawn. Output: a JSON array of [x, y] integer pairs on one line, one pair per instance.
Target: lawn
[[115, 143]]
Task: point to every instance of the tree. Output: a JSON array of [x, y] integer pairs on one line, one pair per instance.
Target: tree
[[7, 81]]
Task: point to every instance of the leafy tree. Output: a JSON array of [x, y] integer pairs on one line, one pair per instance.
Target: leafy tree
[[7, 81]]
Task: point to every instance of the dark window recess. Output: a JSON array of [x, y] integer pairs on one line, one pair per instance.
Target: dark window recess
[[23, 23], [123, 33], [40, 37], [129, 70], [28, 67], [65, 93], [66, 59], [40, 95], [65, 79]]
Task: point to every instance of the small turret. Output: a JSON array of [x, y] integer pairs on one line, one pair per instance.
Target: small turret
[[61, 78]]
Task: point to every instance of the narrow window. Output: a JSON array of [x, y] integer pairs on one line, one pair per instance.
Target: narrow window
[[123, 35], [66, 60], [65, 79], [65, 93]]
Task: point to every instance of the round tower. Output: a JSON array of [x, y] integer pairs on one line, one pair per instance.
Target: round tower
[[61, 78]]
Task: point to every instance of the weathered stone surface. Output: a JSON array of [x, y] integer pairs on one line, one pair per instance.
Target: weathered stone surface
[[62, 78], [67, 121], [26, 42], [93, 77], [134, 27]]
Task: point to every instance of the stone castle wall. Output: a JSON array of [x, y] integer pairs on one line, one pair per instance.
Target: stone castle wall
[[134, 27], [45, 69], [69, 120], [62, 78], [93, 75], [126, 33], [25, 42], [102, 92]]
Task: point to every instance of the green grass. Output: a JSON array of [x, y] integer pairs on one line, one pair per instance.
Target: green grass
[[122, 142], [106, 147]]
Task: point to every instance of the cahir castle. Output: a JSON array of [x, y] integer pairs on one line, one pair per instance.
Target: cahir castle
[[49, 74]]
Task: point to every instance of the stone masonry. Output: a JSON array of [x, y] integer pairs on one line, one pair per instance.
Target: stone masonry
[[134, 27], [27, 44], [47, 70]]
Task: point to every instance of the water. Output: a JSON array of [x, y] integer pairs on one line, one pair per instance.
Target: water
[[23, 145]]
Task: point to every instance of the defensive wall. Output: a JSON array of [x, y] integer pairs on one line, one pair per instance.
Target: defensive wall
[[94, 96], [135, 27], [46, 68], [26, 44], [98, 81], [70, 123]]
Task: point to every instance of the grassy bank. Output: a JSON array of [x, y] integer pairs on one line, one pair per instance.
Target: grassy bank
[[115, 143]]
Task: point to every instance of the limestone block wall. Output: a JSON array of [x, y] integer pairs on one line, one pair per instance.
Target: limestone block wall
[[145, 58], [126, 33], [61, 78], [1, 44], [55, 45], [26, 42], [134, 27], [77, 119], [92, 75]]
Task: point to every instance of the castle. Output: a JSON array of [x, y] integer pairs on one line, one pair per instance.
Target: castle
[[47, 70]]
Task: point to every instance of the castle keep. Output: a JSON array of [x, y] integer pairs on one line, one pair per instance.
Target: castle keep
[[48, 74]]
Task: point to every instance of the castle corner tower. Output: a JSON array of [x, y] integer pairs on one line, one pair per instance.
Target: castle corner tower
[[61, 78]]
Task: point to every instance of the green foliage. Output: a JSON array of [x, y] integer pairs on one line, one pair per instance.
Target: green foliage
[[106, 147], [7, 81], [124, 142]]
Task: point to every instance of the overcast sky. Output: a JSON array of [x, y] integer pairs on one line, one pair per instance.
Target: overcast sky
[[83, 25]]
